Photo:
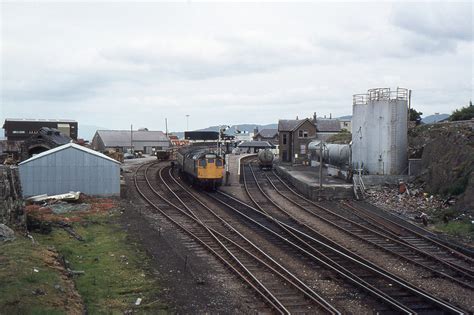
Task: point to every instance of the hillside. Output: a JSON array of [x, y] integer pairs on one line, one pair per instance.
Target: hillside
[[447, 156]]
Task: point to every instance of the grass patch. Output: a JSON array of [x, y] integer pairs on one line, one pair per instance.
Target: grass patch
[[116, 271], [463, 229], [24, 291]]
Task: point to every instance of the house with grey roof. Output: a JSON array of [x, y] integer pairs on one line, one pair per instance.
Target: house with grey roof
[[294, 136], [270, 135], [120, 140], [327, 127]]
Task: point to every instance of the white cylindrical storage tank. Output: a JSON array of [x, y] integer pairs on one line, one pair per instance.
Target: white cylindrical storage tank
[[379, 131]]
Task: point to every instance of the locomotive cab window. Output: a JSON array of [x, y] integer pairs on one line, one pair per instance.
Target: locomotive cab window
[[202, 163], [210, 161], [218, 162]]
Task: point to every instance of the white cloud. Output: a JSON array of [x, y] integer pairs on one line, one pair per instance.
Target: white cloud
[[109, 64]]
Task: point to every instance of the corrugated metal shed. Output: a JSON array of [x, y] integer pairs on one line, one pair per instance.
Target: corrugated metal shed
[[70, 167]]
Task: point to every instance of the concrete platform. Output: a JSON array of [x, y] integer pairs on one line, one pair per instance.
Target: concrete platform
[[306, 180], [233, 168]]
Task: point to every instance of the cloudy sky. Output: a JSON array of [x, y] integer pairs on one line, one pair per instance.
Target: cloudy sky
[[115, 64]]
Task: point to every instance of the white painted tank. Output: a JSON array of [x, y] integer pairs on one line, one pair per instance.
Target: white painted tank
[[379, 131], [334, 154]]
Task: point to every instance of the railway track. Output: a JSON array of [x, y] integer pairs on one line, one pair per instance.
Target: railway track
[[371, 232], [365, 275], [277, 286], [416, 237]]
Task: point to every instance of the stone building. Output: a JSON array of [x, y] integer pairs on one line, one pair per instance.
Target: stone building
[[294, 137], [270, 135]]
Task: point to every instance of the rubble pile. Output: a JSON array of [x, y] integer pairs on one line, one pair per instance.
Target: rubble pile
[[411, 203]]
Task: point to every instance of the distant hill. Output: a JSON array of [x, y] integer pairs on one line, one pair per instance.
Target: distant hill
[[434, 118], [345, 117], [243, 127], [233, 129]]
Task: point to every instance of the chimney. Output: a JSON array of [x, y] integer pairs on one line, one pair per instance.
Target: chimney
[[330, 115], [296, 117], [314, 117], [255, 130]]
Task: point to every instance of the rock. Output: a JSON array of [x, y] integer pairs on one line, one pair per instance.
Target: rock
[[6, 234], [38, 292]]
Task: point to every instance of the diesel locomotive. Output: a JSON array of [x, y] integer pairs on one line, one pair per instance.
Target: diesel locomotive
[[200, 165]]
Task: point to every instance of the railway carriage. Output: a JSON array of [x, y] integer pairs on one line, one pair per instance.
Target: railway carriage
[[201, 166]]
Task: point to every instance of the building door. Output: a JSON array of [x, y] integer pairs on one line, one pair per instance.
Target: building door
[[284, 156]]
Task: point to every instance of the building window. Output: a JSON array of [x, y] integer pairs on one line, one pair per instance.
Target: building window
[[18, 131], [303, 149], [303, 133], [284, 138]]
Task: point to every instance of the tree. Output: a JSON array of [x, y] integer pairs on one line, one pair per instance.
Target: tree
[[464, 113], [414, 115]]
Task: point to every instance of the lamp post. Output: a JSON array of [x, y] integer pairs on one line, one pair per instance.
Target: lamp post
[[221, 130]]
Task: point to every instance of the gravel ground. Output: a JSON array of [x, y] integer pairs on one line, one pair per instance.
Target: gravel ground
[[205, 286], [418, 276], [333, 290], [193, 281]]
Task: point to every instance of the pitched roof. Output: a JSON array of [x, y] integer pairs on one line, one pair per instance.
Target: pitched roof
[[291, 124], [328, 125], [267, 133], [255, 144], [66, 146], [121, 138]]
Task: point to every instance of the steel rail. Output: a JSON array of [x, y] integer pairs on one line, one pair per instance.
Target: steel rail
[[300, 285], [301, 246], [450, 250], [255, 286], [335, 219], [354, 258]]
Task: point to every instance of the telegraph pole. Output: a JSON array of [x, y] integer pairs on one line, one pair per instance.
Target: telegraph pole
[[321, 165]]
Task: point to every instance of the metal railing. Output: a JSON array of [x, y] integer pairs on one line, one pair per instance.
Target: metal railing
[[380, 94]]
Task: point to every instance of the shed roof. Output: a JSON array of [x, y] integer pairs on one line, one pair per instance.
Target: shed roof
[[67, 146], [267, 133], [255, 144], [328, 125], [121, 138]]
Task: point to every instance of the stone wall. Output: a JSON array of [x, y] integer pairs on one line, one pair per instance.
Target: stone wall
[[11, 202]]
